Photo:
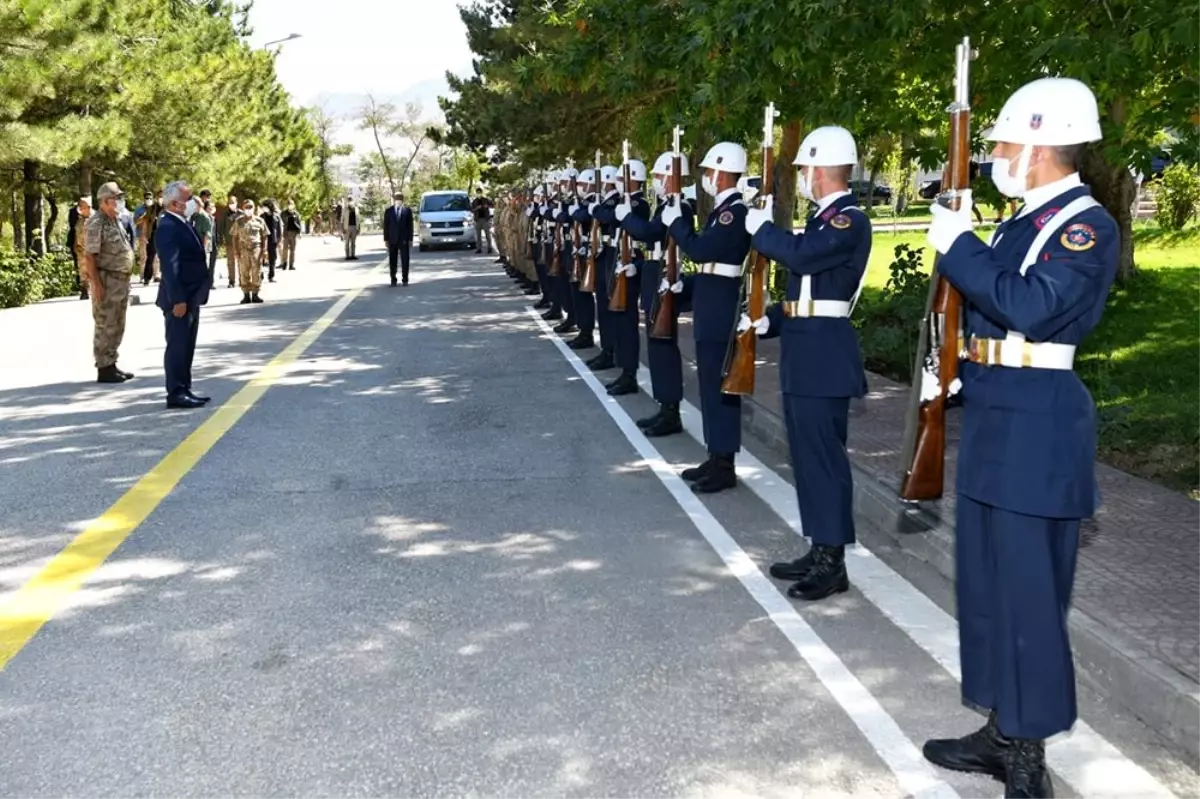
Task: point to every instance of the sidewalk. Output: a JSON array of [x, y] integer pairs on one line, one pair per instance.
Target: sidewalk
[[1137, 590]]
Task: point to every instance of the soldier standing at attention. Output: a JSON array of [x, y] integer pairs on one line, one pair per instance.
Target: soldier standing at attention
[[78, 242], [585, 301], [228, 229], [1027, 457], [602, 213], [820, 365], [624, 323], [719, 250], [251, 235], [291, 232], [109, 261]]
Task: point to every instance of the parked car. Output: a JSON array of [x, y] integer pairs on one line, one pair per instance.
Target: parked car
[[882, 195], [444, 219], [930, 189]]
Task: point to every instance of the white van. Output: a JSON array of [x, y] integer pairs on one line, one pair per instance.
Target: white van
[[444, 218]]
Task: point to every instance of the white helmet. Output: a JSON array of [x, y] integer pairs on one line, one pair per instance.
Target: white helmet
[[1048, 112], [747, 191], [538, 191], [609, 174], [587, 177], [567, 174], [827, 146], [637, 170], [663, 165], [726, 157]]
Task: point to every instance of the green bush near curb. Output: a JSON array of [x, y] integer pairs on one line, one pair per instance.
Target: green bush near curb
[[25, 279]]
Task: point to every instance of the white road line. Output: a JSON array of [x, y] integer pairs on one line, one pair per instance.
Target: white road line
[[1084, 758], [915, 775]]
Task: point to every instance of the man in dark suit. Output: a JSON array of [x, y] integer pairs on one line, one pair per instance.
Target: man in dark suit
[[184, 288], [398, 233]]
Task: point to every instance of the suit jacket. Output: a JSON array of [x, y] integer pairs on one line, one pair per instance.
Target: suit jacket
[[397, 227], [184, 265]]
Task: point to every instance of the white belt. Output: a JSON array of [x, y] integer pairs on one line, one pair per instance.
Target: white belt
[[1014, 351], [606, 239], [550, 226], [800, 309], [721, 270]]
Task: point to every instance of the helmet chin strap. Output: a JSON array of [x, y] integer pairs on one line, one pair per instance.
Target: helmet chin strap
[[1023, 167]]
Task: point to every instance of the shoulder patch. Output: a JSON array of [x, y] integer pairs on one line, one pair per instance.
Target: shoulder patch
[[726, 218], [841, 222], [1078, 237], [1046, 216]]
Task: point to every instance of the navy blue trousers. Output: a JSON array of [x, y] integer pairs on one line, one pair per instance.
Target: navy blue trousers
[[722, 412], [543, 277], [604, 318], [1014, 578], [181, 347], [624, 324], [666, 364], [816, 428], [564, 291], [585, 310]]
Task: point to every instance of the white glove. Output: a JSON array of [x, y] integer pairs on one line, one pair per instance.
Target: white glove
[[670, 214], [760, 325], [592, 208], [948, 225], [755, 219], [630, 270], [674, 288], [573, 209], [931, 385], [623, 210], [529, 211]]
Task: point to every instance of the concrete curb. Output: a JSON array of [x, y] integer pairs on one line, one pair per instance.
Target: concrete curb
[[1165, 700]]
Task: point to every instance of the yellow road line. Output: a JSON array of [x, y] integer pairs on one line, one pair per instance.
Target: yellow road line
[[36, 602]]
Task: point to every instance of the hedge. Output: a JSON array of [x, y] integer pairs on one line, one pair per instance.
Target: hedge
[[25, 279]]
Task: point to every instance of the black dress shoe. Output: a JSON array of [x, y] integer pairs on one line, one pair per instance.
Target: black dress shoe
[[981, 752], [541, 304], [625, 384], [531, 291], [184, 401], [826, 576], [650, 421], [721, 476], [553, 315], [565, 326], [602, 361], [196, 396], [394, 281], [109, 374], [792, 570], [668, 423], [1026, 775], [583, 341], [698, 472]]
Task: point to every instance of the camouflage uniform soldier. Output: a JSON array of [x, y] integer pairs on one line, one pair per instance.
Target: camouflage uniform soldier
[[227, 228], [80, 244], [501, 232], [109, 259], [251, 240]]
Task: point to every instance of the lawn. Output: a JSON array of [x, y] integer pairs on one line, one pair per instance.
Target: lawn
[[1142, 363]]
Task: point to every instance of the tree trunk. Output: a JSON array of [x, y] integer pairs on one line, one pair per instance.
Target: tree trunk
[[785, 174], [906, 175], [15, 209], [34, 243], [85, 179], [52, 220], [1113, 186]]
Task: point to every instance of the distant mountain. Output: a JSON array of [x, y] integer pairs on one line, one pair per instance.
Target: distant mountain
[[342, 105]]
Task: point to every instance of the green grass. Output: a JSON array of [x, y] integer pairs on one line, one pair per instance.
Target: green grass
[[1142, 363]]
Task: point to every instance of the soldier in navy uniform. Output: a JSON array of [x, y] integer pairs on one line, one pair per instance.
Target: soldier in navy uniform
[[564, 292], [624, 324], [666, 363], [1026, 460], [602, 214], [549, 212], [719, 250], [820, 365], [585, 301]]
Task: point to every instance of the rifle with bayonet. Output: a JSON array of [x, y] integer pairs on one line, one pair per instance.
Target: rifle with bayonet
[[664, 320], [619, 295], [923, 455], [739, 363]]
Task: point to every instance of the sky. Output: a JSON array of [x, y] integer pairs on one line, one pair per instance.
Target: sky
[[398, 50]]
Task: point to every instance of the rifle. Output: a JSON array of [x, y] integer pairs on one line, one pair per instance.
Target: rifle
[[664, 321], [923, 455], [739, 363], [619, 295], [576, 236], [588, 284]]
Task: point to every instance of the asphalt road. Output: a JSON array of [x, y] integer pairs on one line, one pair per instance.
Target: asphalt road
[[424, 557]]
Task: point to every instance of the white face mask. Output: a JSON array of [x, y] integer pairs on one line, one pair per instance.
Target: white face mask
[[189, 209], [1009, 185], [660, 187], [121, 207], [803, 187], [709, 184]]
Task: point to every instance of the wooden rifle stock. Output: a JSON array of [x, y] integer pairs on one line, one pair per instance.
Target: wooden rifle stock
[[588, 283], [665, 320], [739, 369], [618, 296], [939, 348]]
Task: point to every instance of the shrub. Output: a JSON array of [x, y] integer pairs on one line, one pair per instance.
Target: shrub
[[889, 319], [25, 279], [1177, 196]]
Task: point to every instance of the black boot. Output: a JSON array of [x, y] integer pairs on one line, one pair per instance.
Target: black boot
[[826, 576], [720, 477], [542, 304], [981, 752], [625, 384], [698, 472], [602, 361], [123, 373], [255, 298], [553, 315], [245, 298], [529, 292], [83, 293], [650, 421], [793, 570], [565, 326], [1026, 775], [109, 374], [668, 423], [583, 341]]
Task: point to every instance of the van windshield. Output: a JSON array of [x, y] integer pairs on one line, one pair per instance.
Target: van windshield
[[445, 202]]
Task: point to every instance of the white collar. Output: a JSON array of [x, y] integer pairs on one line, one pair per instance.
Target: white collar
[[830, 199], [177, 216], [612, 193], [1036, 198], [723, 196]]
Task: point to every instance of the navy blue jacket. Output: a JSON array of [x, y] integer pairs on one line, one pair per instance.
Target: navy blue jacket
[[1029, 435], [184, 264], [398, 226], [715, 300], [820, 356]]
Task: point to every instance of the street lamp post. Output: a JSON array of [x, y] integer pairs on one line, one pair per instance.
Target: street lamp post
[[288, 38]]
